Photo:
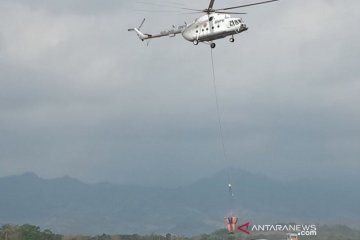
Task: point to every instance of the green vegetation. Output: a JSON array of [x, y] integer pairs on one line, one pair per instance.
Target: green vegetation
[[26, 232], [31, 232]]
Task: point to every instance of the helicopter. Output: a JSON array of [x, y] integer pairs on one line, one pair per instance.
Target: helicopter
[[215, 24]]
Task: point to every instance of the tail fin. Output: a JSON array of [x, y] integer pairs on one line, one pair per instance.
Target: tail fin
[[141, 35]]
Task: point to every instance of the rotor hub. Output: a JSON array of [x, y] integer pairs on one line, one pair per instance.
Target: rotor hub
[[209, 10]]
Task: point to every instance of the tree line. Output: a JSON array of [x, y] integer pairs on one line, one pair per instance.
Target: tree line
[[31, 232], [26, 232]]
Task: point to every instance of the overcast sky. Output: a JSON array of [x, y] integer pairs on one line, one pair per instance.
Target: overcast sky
[[81, 96]]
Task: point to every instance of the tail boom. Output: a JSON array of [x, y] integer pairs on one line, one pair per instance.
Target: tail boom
[[145, 36]]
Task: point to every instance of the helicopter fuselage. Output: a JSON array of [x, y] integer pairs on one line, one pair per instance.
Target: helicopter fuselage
[[216, 24], [213, 26]]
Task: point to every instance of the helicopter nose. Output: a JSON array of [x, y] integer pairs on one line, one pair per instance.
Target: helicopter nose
[[243, 27]]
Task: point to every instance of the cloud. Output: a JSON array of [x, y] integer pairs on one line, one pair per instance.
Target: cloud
[[82, 96]]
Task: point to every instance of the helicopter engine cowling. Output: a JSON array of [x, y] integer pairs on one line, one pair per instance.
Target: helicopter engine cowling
[[188, 35]]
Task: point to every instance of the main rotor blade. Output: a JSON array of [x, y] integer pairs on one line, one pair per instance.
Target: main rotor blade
[[189, 13], [211, 4], [230, 12], [193, 9], [247, 5]]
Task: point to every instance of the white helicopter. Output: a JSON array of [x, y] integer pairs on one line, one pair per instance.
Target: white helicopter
[[216, 24]]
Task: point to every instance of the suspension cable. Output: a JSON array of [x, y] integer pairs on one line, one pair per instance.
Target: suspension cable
[[221, 128], [218, 107]]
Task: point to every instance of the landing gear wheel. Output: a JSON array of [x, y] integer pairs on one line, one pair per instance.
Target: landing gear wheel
[[232, 39], [212, 45], [195, 42]]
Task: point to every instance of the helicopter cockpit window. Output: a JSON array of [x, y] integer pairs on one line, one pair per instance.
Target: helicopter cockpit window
[[232, 23], [236, 22]]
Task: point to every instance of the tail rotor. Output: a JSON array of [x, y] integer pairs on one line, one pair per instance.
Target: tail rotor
[[141, 24]]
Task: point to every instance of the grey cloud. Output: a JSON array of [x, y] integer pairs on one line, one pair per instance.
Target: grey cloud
[[82, 96], [73, 6]]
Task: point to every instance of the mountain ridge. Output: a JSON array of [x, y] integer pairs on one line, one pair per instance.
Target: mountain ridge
[[68, 205]]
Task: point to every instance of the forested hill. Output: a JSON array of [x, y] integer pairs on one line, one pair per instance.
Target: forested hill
[[31, 232], [67, 205]]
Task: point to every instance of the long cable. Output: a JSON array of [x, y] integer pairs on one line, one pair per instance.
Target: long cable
[[221, 128], [218, 107]]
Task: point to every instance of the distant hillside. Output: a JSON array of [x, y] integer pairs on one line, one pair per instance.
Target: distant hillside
[[31, 232], [67, 205]]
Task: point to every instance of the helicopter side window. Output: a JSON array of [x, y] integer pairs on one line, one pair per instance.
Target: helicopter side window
[[211, 18], [232, 23]]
